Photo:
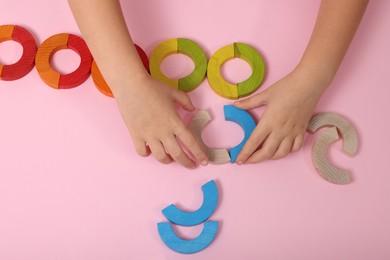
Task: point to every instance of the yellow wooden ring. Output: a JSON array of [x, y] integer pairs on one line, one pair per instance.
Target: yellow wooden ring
[[229, 52], [184, 46]]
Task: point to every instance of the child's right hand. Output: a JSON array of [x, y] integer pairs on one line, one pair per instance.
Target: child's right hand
[[148, 109]]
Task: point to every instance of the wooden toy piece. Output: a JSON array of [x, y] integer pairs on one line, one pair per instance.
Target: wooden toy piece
[[199, 121], [182, 246], [344, 126], [26, 63], [250, 55], [320, 159], [59, 42], [163, 50], [82, 73], [247, 123], [100, 82], [198, 56], [229, 52], [183, 218], [184, 46]]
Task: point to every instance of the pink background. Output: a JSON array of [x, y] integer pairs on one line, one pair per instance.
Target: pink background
[[72, 186]]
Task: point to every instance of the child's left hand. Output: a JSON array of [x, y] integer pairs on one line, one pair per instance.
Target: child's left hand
[[290, 104]]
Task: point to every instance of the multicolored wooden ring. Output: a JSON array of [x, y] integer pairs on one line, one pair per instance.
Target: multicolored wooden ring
[[101, 83], [26, 63], [229, 52], [59, 42], [184, 46]]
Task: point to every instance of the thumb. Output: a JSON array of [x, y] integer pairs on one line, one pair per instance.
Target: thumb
[[182, 99], [257, 100]]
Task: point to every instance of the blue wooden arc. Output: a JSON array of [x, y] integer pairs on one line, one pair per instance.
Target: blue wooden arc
[[184, 218], [195, 245], [247, 123]]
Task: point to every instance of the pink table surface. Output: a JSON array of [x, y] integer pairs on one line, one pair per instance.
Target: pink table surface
[[72, 186]]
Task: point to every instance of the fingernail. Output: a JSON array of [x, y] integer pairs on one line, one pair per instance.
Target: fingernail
[[239, 162], [204, 163]]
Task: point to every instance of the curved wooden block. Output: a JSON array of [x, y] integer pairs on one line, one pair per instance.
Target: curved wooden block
[[183, 218], [81, 74], [182, 246], [26, 63], [247, 123], [236, 50], [320, 159], [59, 42], [345, 127], [198, 56], [198, 123], [184, 46], [100, 82]]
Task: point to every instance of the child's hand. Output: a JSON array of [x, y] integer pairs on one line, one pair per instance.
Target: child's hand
[[290, 104], [154, 123]]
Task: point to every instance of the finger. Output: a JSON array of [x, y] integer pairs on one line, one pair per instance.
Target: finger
[[159, 152], [255, 140], [298, 142], [186, 137], [266, 151], [284, 148], [183, 100], [257, 100], [141, 147], [177, 153]]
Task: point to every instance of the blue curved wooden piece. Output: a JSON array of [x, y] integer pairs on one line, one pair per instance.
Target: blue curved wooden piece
[[195, 245], [247, 123], [184, 218]]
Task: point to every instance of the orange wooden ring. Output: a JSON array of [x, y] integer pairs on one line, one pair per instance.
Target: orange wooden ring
[[26, 63], [101, 83], [59, 42]]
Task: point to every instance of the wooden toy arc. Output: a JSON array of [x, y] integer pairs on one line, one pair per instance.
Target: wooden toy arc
[[184, 218], [26, 63], [195, 245], [338, 124], [243, 119]]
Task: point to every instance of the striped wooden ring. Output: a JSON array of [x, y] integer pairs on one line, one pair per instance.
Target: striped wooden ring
[[184, 46], [229, 52], [59, 42], [100, 82], [26, 63]]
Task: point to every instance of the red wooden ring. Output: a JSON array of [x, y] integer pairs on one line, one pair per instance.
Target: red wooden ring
[[26, 63], [60, 42], [100, 82]]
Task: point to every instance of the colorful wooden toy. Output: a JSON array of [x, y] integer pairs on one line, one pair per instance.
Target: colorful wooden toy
[[199, 121], [338, 124], [344, 126], [26, 63], [320, 159], [229, 52], [54, 44], [184, 46], [247, 123], [183, 218], [100, 82], [182, 246]]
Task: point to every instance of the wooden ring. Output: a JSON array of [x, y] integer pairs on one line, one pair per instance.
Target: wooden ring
[[229, 52], [184, 46], [100, 82], [26, 63], [59, 42]]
